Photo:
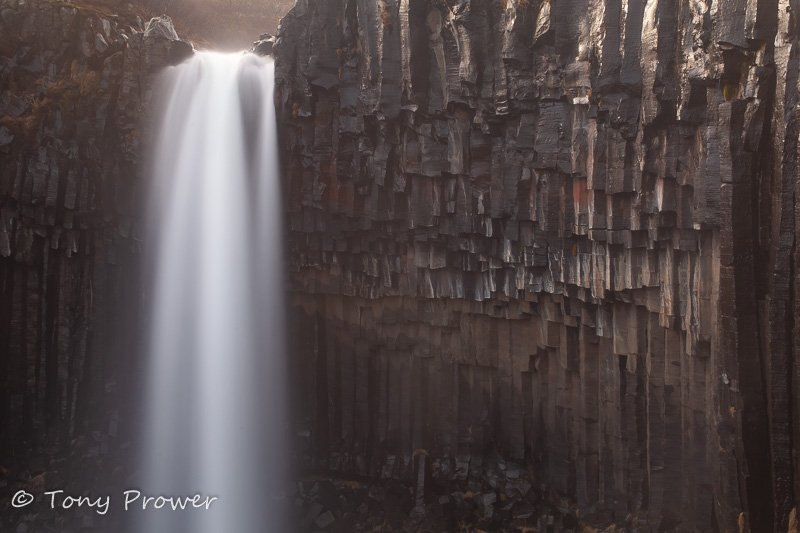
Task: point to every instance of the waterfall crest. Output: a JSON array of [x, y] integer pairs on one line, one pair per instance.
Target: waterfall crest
[[215, 400]]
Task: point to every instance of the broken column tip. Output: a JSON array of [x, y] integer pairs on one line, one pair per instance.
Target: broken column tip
[[264, 45]]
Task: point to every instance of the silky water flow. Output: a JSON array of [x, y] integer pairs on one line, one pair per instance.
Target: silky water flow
[[215, 414]]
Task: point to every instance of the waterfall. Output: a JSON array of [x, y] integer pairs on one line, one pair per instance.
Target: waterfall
[[214, 421]]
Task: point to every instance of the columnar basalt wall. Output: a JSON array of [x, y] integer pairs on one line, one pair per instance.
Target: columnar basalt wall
[[558, 231], [74, 81]]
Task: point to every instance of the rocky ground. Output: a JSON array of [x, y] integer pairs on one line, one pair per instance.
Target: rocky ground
[[495, 498], [344, 506]]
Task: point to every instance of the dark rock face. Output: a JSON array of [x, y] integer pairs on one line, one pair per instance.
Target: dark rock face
[[74, 82], [263, 46], [561, 232]]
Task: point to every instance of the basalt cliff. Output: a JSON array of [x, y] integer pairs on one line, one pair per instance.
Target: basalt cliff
[[535, 247], [75, 82], [554, 234]]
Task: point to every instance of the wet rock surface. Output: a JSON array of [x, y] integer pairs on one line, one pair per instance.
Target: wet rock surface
[[562, 232], [493, 496]]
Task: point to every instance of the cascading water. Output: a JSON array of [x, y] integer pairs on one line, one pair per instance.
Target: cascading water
[[215, 413]]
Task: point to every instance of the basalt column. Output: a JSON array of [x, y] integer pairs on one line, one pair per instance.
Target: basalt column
[[561, 232], [74, 86]]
